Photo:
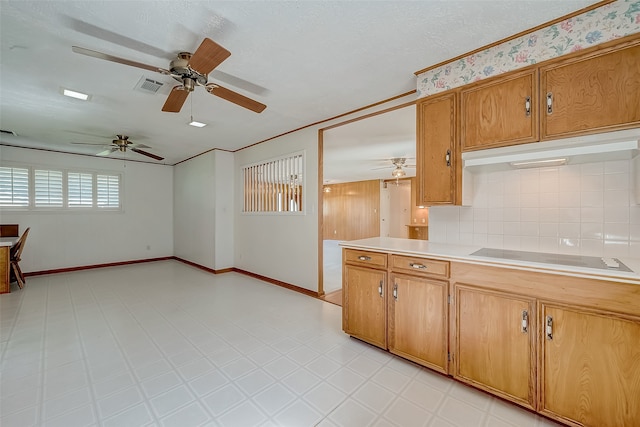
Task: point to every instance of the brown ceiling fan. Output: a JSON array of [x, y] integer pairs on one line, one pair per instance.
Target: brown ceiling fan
[[121, 144], [190, 70]]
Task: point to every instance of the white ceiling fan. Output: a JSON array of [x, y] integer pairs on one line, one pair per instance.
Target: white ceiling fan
[[398, 163], [121, 144]]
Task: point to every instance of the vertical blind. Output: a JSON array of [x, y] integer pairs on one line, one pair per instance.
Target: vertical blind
[[275, 185], [14, 186]]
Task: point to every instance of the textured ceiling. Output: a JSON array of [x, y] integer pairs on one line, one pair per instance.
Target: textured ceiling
[[306, 60]]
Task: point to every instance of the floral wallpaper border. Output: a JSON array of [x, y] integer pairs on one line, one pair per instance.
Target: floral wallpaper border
[[606, 23]]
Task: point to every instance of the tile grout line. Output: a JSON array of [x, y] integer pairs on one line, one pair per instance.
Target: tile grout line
[[84, 356], [175, 368], [126, 360], [41, 389]]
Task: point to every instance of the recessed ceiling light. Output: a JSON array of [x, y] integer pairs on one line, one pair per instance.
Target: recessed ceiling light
[[74, 94], [197, 124]]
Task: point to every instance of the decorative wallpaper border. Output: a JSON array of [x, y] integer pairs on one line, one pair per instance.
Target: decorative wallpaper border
[[606, 23]]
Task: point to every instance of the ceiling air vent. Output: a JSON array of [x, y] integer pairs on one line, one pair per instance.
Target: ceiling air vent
[[148, 85], [8, 132]]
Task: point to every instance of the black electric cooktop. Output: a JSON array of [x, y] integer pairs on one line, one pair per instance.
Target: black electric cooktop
[[557, 259]]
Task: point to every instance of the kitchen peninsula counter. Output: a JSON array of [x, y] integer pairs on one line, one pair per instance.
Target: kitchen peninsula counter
[[464, 253]]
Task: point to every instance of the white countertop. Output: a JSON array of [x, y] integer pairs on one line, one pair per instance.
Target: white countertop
[[452, 252], [8, 241]]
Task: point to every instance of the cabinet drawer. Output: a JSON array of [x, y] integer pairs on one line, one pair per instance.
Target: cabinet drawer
[[373, 259], [415, 265]]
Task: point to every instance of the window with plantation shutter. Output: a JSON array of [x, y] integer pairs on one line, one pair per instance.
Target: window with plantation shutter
[[14, 186], [108, 191], [48, 188], [80, 189], [40, 188]]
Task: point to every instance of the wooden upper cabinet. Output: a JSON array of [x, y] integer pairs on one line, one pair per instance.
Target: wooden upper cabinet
[[437, 151], [500, 111], [595, 92]]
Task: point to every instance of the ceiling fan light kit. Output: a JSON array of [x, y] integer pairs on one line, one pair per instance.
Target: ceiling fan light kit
[[398, 172]]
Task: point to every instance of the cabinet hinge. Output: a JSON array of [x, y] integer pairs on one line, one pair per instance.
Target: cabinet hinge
[[449, 299], [449, 357]]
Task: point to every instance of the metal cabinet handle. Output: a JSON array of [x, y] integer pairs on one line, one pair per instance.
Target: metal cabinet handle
[[448, 157], [395, 291], [364, 258], [527, 106], [549, 103], [549, 328], [525, 321], [380, 288], [417, 266]]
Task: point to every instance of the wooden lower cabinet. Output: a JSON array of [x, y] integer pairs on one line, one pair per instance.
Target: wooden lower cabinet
[[495, 343], [417, 327], [364, 304], [590, 367], [567, 347]]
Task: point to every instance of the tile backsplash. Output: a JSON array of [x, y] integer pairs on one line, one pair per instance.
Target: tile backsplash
[[586, 209]]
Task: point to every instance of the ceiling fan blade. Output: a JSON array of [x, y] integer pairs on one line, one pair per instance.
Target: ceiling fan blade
[[235, 97], [107, 152], [238, 83], [144, 153], [90, 143], [113, 37], [138, 145], [208, 56], [106, 57], [175, 100]]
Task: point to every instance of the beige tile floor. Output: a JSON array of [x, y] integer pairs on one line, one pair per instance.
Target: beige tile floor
[[165, 344]]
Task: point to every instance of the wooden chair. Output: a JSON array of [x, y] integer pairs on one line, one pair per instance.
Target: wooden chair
[[14, 255]]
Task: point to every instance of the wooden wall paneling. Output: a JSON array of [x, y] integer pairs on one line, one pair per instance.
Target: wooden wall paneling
[[352, 211]]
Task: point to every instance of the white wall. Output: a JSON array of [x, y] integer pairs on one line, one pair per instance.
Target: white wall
[[70, 239], [224, 209], [587, 209], [203, 211], [285, 247], [280, 246], [194, 210]]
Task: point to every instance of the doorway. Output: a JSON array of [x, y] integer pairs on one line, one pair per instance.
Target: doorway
[[363, 154]]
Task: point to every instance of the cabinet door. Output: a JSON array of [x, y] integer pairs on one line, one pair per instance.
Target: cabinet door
[[598, 92], [494, 348], [364, 304], [500, 112], [590, 369], [418, 320], [437, 153]]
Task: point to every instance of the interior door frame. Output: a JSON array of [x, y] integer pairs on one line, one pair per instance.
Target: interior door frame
[[321, 176]]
